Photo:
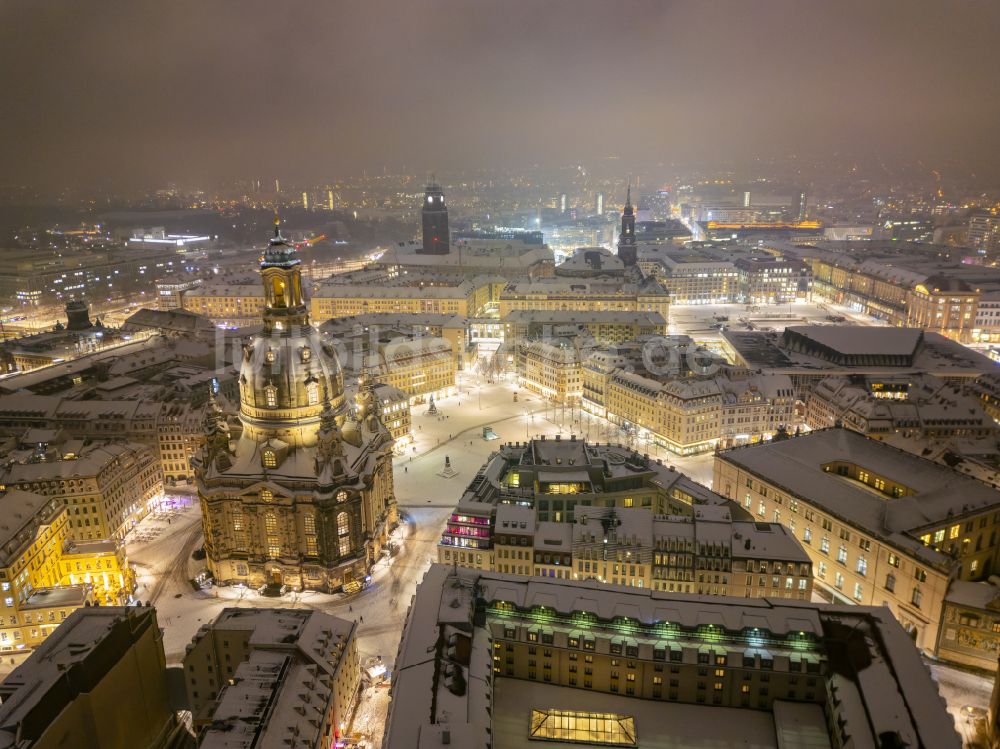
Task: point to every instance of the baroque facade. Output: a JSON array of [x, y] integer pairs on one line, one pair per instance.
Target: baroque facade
[[304, 497]]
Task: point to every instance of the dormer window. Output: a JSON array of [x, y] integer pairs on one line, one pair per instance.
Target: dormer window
[[312, 393], [269, 356], [271, 396], [306, 353], [269, 458]]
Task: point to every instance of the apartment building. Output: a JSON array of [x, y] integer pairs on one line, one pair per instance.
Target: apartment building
[[706, 553], [772, 280], [423, 367], [415, 292], [551, 370], [585, 295], [883, 527], [228, 305], [920, 407], [694, 414], [554, 480], [98, 681], [302, 663], [602, 328], [690, 277], [395, 405], [364, 331], [911, 290], [33, 535], [106, 490], [488, 659], [171, 429]]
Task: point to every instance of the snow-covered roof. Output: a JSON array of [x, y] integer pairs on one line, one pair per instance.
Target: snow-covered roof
[[983, 595], [938, 493], [881, 684], [860, 340], [78, 654], [604, 317]]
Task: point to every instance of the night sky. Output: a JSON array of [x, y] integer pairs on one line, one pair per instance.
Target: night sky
[[141, 93]]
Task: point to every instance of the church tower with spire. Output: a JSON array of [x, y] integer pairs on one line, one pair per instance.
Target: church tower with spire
[[304, 497], [628, 252]]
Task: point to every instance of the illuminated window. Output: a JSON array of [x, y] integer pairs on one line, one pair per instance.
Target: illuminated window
[[271, 396], [269, 356], [239, 532], [273, 542], [309, 523], [341, 496], [266, 495], [515, 479], [312, 393], [306, 353], [270, 459], [607, 729]]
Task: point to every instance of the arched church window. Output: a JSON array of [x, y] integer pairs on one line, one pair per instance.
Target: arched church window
[[273, 540], [279, 293], [344, 531]]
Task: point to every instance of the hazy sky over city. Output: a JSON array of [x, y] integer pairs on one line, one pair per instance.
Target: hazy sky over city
[[140, 93]]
